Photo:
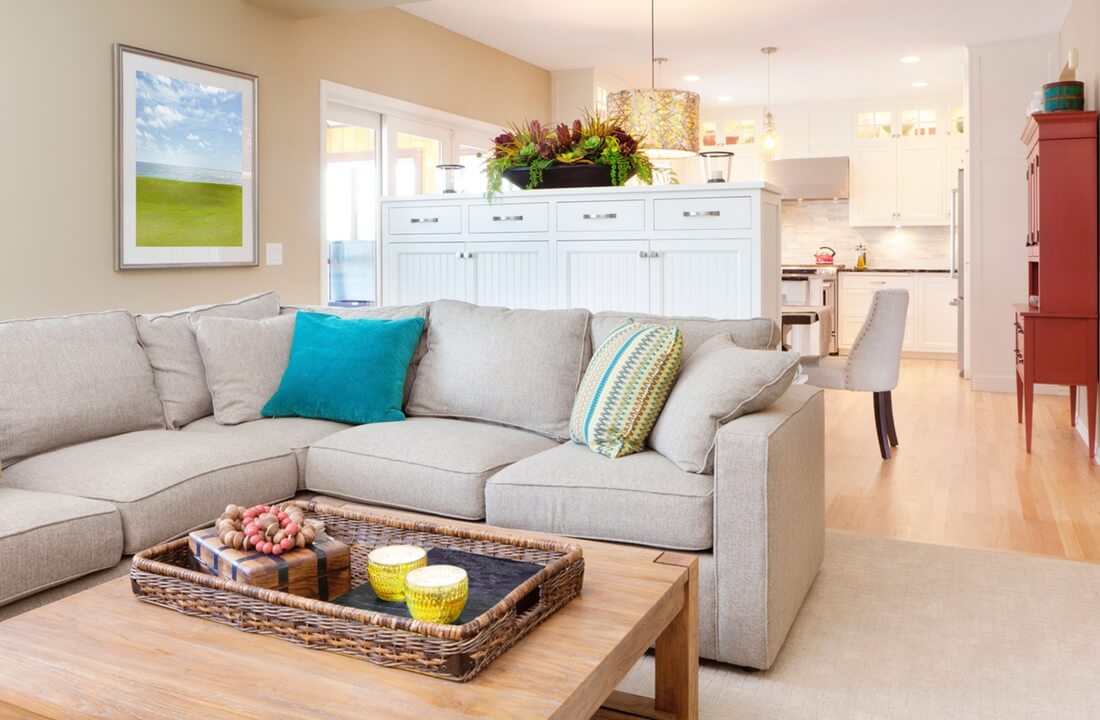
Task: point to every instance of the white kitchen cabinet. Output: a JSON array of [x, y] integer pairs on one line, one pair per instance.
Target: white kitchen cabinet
[[937, 318], [603, 275], [930, 323], [899, 157], [921, 192], [898, 183], [712, 278], [710, 250], [422, 272], [509, 274], [873, 185]]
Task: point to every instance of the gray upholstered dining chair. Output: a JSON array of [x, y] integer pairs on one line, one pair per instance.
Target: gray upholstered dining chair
[[872, 364]]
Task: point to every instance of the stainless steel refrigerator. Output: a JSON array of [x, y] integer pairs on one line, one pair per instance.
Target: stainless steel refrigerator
[[958, 254]]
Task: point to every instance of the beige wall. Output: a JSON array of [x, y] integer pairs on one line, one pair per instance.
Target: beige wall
[[1082, 31], [57, 154]]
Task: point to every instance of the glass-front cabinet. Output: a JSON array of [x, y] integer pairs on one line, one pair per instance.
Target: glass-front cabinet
[[874, 124], [904, 122]]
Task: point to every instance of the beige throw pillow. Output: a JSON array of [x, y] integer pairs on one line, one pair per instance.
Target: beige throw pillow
[[169, 343], [719, 382], [244, 362]]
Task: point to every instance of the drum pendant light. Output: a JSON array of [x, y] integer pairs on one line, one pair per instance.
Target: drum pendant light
[[667, 121]]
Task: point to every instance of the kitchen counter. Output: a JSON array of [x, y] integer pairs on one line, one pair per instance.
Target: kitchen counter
[[894, 270]]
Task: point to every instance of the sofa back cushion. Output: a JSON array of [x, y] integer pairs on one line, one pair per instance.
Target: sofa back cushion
[[513, 367], [720, 382], [72, 379], [169, 341], [756, 334], [388, 312], [244, 361]]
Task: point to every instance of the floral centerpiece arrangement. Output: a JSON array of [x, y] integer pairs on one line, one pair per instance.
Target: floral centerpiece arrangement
[[525, 153]]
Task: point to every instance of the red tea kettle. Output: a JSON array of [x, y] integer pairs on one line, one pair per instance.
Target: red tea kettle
[[824, 255]]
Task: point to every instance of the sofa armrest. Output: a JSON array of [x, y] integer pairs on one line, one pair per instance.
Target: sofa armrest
[[769, 533]]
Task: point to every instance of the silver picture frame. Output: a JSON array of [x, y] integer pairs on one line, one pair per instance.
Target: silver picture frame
[[176, 113]]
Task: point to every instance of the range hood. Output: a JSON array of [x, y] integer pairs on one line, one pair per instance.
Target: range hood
[[809, 178]]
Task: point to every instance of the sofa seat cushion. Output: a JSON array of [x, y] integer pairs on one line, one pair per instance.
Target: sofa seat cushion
[[434, 465], [48, 539], [163, 483], [291, 432], [641, 498]]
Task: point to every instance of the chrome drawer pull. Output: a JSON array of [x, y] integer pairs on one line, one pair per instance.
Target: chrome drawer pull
[[643, 254], [702, 213], [599, 216], [507, 218], [415, 221]]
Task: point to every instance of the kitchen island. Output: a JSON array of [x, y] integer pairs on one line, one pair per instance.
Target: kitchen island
[[709, 250]]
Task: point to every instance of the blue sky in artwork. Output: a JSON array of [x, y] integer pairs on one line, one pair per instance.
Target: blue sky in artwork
[[180, 122]]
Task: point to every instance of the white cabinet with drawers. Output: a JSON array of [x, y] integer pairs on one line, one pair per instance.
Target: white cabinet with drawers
[[930, 324], [710, 250]]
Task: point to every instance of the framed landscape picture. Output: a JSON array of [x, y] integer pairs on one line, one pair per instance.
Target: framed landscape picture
[[186, 175]]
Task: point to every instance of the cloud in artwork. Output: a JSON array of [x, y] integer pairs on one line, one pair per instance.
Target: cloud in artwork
[[182, 122]]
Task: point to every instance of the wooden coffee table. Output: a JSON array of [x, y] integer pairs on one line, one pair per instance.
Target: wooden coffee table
[[103, 653]]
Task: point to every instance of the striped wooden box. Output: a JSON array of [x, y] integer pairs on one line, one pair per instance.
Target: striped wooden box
[[321, 571]]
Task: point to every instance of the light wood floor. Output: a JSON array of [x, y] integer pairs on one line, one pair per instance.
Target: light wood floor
[[961, 475]]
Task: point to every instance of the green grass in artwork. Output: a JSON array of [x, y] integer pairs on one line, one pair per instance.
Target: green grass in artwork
[[177, 213]]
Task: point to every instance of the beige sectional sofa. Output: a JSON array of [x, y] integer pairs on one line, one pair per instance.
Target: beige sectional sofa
[[108, 447]]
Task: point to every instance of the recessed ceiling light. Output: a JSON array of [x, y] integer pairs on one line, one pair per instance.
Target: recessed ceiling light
[[911, 59], [725, 98], [691, 78], [919, 84]]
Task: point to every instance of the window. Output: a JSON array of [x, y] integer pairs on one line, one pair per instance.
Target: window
[[375, 146], [351, 196]]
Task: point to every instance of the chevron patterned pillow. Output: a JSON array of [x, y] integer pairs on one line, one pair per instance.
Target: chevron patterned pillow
[[625, 387]]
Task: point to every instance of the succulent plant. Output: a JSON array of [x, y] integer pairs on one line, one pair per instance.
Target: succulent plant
[[592, 139]]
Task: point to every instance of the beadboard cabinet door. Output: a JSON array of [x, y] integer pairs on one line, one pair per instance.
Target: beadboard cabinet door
[[603, 275], [712, 278], [509, 274], [424, 272]]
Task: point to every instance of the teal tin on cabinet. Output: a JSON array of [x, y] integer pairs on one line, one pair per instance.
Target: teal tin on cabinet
[[1066, 95]]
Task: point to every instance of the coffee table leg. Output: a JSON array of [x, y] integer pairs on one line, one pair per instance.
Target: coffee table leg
[[677, 650]]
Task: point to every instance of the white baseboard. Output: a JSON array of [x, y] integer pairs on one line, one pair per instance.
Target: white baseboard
[[1007, 384]]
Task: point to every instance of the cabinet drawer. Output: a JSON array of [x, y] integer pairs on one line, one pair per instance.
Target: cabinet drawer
[[855, 303], [427, 220], [601, 216], [732, 213], [853, 281], [510, 218]]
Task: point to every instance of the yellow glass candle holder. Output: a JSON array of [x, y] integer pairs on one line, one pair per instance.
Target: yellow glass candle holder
[[437, 593], [387, 567]]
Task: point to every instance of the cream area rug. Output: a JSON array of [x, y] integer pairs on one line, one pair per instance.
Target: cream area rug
[[896, 630]]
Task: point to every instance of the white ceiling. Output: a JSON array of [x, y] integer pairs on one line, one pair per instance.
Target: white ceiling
[[828, 49]]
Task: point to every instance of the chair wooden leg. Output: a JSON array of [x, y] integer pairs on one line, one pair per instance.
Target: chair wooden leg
[[880, 425], [892, 433]]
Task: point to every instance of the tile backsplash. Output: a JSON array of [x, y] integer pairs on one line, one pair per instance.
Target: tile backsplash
[[807, 225]]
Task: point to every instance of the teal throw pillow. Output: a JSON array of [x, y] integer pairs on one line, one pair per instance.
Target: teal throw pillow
[[350, 371]]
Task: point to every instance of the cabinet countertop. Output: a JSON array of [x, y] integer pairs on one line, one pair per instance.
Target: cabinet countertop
[[872, 271]]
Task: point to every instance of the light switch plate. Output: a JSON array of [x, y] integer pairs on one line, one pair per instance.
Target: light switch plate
[[273, 253]]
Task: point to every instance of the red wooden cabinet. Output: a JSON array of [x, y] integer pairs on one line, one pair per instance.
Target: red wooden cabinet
[[1056, 339]]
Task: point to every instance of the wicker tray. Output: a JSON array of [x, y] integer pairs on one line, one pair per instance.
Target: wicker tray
[[165, 575]]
